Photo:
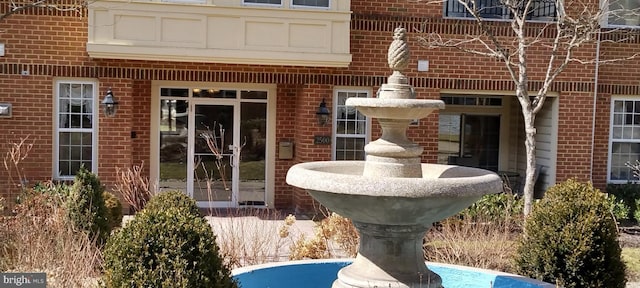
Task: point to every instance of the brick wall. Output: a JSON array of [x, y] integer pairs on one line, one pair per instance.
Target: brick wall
[[32, 122], [52, 44]]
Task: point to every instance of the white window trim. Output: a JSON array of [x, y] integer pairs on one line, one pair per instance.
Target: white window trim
[[610, 148], [57, 129], [334, 119]]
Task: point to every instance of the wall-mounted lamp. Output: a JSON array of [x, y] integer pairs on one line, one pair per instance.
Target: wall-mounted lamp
[[323, 113], [109, 104], [5, 110]]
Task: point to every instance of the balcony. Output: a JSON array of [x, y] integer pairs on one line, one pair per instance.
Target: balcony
[[540, 10], [221, 31]]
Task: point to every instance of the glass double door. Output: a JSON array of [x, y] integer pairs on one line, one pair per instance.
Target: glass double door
[[225, 153]]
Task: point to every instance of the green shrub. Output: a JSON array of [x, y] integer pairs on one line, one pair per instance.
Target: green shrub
[[628, 193], [498, 208], [173, 199], [114, 210], [86, 208], [165, 248], [618, 208], [571, 239]]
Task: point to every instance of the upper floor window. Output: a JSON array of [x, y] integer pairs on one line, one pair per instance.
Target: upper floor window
[[186, 1], [541, 10], [351, 129], [624, 13], [266, 2], [311, 3], [75, 137], [300, 3]]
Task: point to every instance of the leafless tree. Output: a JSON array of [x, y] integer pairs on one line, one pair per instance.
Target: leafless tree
[[576, 24]]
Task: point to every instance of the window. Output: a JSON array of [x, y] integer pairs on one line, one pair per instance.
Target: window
[[311, 3], [469, 140], [186, 1], [263, 2], [624, 13], [469, 130], [541, 10], [351, 127], [75, 137], [624, 141]]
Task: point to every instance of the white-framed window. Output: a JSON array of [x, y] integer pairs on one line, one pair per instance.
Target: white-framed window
[[263, 2], [540, 10], [186, 1], [311, 3], [623, 13], [351, 128], [624, 138], [75, 138]]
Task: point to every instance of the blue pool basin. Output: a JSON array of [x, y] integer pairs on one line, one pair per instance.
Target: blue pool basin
[[322, 273]]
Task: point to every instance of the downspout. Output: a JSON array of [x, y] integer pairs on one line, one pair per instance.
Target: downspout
[[595, 98]]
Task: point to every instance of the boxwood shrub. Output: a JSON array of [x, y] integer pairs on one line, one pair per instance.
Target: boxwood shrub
[[571, 239], [85, 205], [114, 210], [173, 199], [169, 247]]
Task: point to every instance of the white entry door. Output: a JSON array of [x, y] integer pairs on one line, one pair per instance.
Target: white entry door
[[215, 149]]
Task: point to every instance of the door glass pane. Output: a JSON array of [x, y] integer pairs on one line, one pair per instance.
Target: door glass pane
[[481, 138], [173, 144], [253, 95], [213, 155], [213, 93], [253, 138], [448, 138], [174, 92]]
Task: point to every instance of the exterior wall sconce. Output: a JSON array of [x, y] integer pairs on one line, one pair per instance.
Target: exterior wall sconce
[[109, 104], [323, 113], [5, 110]]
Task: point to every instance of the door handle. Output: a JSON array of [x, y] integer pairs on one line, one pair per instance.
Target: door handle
[[232, 160]]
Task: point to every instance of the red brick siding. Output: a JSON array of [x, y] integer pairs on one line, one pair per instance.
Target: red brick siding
[[32, 109], [575, 136], [55, 46]]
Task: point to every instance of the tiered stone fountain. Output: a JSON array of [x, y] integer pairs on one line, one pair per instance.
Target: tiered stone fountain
[[392, 198]]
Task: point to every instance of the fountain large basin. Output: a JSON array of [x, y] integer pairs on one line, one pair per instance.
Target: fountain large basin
[[443, 191], [321, 273]]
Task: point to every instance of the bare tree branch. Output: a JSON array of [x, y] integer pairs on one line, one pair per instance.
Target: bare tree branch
[[571, 30]]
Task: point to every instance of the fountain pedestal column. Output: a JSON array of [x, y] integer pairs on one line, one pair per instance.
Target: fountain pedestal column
[[388, 256], [393, 155]]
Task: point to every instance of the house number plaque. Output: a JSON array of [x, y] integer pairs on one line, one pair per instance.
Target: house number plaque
[[322, 140]]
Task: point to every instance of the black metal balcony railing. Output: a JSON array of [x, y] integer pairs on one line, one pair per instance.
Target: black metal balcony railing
[[544, 10]]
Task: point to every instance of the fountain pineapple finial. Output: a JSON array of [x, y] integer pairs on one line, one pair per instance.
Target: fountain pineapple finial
[[398, 55]]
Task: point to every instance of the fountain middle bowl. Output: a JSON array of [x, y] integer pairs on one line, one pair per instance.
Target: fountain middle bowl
[[442, 191]]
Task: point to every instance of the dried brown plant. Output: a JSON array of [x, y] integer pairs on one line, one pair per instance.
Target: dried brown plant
[[18, 151], [480, 244], [40, 238], [134, 187], [250, 236], [333, 229]]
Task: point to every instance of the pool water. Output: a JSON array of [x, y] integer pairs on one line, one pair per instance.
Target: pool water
[[322, 273]]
